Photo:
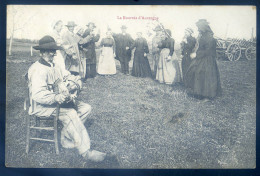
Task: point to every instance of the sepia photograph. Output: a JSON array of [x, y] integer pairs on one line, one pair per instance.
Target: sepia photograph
[[131, 86]]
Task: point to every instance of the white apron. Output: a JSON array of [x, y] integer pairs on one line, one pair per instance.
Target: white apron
[[106, 64]]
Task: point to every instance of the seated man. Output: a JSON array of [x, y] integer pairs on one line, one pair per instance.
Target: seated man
[[42, 78]]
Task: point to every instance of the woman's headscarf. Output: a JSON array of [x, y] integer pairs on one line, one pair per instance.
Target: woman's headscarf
[[203, 26]]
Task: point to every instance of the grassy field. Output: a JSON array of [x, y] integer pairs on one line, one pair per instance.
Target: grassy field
[[134, 120]]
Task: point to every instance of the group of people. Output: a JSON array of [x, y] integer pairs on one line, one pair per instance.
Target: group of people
[[78, 55], [67, 60]]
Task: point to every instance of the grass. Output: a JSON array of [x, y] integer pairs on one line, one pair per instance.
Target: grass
[[143, 124]]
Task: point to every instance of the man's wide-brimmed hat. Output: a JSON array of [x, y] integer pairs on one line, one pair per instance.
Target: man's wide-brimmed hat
[[92, 24], [47, 43], [123, 27], [71, 24], [202, 22], [157, 28]]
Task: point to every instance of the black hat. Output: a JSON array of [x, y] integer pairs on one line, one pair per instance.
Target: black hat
[[123, 27], [157, 28], [92, 24], [47, 43], [71, 24], [202, 22]]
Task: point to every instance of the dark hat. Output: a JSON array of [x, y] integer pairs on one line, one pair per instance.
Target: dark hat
[[92, 24], [157, 28], [202, 22], [71, 24], [123, 27], [203, 26], [47, 43]]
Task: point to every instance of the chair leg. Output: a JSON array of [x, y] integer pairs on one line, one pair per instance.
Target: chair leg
[[56, 133], [27, 134], [37, 124]]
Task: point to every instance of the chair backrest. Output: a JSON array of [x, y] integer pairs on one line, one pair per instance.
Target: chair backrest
[[26, 103]]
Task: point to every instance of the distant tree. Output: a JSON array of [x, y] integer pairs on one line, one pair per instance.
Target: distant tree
[[16, 13]]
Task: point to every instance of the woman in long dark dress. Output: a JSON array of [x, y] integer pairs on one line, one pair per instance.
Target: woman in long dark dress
[[202, 76], [141, 66], [187, 45]]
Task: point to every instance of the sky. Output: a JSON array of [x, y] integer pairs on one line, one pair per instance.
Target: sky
[[35, 21]]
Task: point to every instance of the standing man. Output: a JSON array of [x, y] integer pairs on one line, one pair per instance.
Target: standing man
[[89, 51], [155, 50], [43, 77], [70, 45], [82, 41], [123, 53]]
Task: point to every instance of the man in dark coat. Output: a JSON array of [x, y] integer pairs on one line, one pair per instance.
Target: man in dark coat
[[123, 53], [89, 50]]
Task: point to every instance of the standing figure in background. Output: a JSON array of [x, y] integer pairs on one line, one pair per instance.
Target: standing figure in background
[[168, 70], [141, 66], [187, 45], [106, 63], [90, 50], [59, 59], [70, 45], [155, 49], [81, 42], [123, 53], [203, 80]]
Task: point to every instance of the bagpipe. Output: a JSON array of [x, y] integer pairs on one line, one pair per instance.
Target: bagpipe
[[69, 87]]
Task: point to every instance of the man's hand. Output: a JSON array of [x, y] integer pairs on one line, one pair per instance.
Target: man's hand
[[60, 98], [192, 55], [145, 54], [127, 48]]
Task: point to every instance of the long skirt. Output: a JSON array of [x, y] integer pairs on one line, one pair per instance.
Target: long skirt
[[185, 63], [141, 66], [91, 70], [106, 64], [202, 77], [168, 71], [156, 57], [176, 65]]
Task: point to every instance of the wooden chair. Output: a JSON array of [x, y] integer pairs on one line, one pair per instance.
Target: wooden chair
[[38, 128]]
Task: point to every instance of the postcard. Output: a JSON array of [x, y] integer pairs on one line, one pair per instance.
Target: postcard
[[121, 86]]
